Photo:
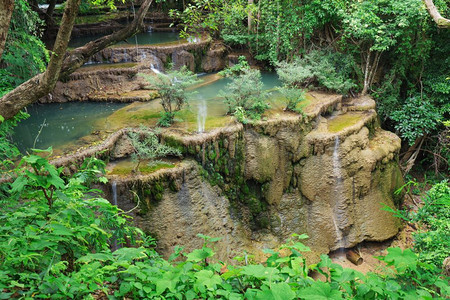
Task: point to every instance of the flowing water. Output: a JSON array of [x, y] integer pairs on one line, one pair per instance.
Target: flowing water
[[143, 38], [337, 173], [114, 197], [201, 116]]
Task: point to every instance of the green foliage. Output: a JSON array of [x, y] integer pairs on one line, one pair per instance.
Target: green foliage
[[236, 69], [53, 249], [8, 151], [318, 68], [245, 96], [148, 147], [292, 97], [432, 241], [25, 54], [197, 16], [172, 91], [416, 118]]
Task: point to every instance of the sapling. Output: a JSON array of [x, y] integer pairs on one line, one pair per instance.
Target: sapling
[[148, 147], [172, 88], [245, 96]]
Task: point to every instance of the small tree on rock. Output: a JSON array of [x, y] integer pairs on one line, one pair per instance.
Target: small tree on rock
[[245, 96], [148, 147], [172, 91]]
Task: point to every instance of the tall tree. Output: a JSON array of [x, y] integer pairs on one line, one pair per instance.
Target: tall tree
[[62, 64], [6, 10]]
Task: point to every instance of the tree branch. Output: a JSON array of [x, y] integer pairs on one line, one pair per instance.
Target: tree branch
[[434, 13], [61, 66], [77, 57]]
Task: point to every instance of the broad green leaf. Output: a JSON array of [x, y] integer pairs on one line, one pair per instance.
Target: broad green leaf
[[400, 259], [260, 272], [320, 291], [200, 254], [129, 254], [208, 279], [95, 256], [18, 184]]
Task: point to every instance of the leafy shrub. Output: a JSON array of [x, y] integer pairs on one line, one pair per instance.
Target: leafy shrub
[[147, 147], [236, 69], [8, 151], [432, 241], [330, 70], [49, 223], [416, 118], [292, 97], [172, 91], [245, 96], [25, 54]]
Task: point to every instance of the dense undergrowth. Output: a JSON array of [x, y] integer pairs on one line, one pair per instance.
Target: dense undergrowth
[[56, 236]]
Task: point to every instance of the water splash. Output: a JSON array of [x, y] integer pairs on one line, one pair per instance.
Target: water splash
[[201, 116], [149, 28]]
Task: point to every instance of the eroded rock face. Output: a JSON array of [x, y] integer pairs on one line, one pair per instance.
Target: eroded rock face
[[328, 176]]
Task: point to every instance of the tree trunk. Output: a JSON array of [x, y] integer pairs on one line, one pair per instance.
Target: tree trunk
[[366, 74], [60, 67], [41, 84], [6, 10], [434, 13], [250, 19], [49, 13], [77, 57]]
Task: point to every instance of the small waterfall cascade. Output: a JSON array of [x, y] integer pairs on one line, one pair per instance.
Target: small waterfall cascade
[[154, 69], [193, 39], [201, 116], [114, 196], [337, 174], [114, 192]]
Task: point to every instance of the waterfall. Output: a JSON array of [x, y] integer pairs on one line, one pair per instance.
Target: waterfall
[[201, 116], [337, 174], [114, 196], [114, 192], [154, 69], [149, 28]]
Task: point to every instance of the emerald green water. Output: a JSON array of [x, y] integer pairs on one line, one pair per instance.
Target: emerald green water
[[61, 123], [143, 38], [65, 123], [207, 103]]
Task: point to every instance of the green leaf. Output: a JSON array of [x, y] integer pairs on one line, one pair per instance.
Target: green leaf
[[208, 279], [320, 291], [401, 260], [129, 254], [260, 272], [200, 254], [18, 184], [125, 287]]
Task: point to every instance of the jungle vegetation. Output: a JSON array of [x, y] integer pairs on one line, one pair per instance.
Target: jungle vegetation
[[56, 232]]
